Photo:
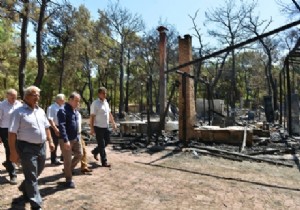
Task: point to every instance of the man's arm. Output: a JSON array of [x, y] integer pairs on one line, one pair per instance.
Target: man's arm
[[49, 139], [61, 115], [14, 157], [50, 116], [52, 124], [111, 119]]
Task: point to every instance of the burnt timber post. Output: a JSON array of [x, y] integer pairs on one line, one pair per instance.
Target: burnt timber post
[[289, 97], [162, 76], [187, 110]]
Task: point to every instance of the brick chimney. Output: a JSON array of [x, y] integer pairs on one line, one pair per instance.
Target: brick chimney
[[162, 68], [187, 110]]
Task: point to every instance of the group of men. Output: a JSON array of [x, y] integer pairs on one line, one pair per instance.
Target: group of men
[[25, 128]]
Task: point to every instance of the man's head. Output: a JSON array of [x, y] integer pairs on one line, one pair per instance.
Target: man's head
[[11, 95], [102, 93], [60, 99], [74, 100], [32, 96]]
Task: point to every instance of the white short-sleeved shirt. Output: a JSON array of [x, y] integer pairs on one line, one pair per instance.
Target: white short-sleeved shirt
[[52, 112], [101, 111], [29, 124], [6, 109]]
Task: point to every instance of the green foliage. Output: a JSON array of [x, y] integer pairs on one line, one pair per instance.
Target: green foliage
[[8, 56], [85, 54]]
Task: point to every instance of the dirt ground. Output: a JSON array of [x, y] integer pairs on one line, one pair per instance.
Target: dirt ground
[[163, 180]]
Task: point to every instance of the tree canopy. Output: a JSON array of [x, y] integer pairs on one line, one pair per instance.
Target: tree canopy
[[74, 52]]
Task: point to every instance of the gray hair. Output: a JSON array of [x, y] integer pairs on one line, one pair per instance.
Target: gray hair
[[31, 89], [60, 96], [73, 95], [11, 91]]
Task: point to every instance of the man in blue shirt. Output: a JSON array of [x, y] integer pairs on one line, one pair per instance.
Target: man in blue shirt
[[69, 136]]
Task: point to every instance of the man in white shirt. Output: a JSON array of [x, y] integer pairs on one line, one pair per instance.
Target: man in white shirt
[[6, 109], [27, 136], [52, 117], [99, 122]]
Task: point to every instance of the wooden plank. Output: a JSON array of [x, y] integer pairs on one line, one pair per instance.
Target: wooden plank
[[212, 149], [212, 154], [244, 139], [223, 135]]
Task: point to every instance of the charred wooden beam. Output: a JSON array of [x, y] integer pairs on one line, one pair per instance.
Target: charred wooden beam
[[254, 39], [246, 157]]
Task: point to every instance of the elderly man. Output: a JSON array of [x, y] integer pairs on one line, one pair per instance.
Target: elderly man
[[68, 125], [6, 109], [28, 133], [52, 117]]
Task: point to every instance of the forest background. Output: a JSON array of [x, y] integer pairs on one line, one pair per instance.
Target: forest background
[[76, 51]]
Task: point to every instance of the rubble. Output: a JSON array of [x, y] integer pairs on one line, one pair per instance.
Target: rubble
[[257, 141]]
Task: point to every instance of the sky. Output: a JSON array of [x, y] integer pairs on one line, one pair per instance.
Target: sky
[[176, 12]]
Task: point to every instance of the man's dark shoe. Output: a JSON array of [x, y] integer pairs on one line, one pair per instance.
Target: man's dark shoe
[[13, 180], [56, 163], [4, 164], [106, 165], [36, 208], [70, 184], [21, 189], [86, 171], [95, 155]]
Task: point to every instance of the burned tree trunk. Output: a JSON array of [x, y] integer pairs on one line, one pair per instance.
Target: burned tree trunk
[[23, 59], [39, 56]]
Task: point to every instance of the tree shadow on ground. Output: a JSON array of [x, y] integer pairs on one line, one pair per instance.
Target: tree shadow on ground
[[222, 177], [3, 180], [46, 191], [52, 178], [94, 165], [18, 203]]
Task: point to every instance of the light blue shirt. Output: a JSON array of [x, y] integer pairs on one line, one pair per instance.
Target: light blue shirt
[[29, 124], [52, 112], [6, 109]]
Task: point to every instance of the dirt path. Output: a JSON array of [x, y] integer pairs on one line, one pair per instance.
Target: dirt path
[[171, 181]]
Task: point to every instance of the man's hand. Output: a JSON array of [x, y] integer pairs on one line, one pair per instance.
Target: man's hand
[[92, 132], [51, 146], [114, 126], [67, 145], [56, 131], [14, 157]]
